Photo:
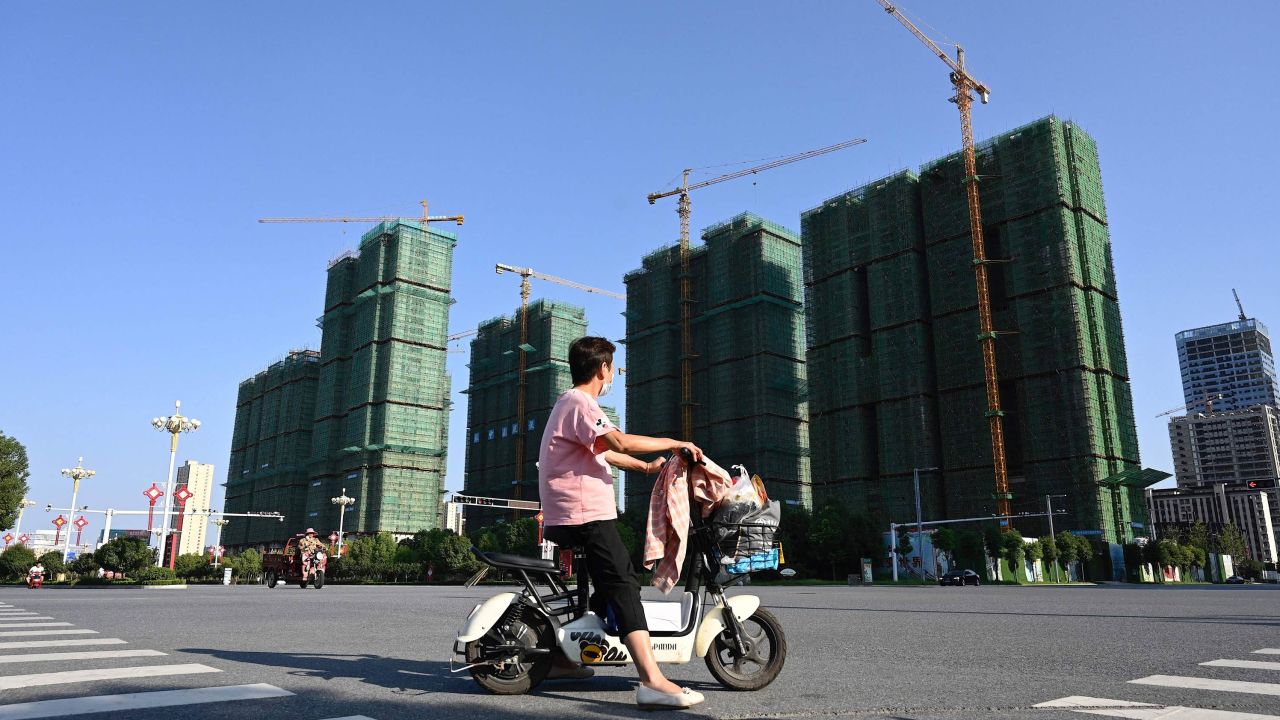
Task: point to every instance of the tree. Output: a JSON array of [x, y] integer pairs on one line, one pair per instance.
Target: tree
[[13, 479], [1034, 551], [970, 551], [245, 567], [1013, 548], [84, 564], [1198, 536], [15, 562], [1068, 548], [1250, 568], [53, 565], [125, 554], [452, 555], [830, 536], [191, 566], [944, 540], [1231, 542], [1049, 548], [376, 551]]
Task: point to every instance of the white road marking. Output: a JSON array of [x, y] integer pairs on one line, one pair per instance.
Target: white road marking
[[13, 645], [138, 701], [1196, 683], [34, 624], [18, 633], [82, 655], [75, 676], [24, 618], [1143, 711], [1268, 651], [352, 717], [1253, 664]]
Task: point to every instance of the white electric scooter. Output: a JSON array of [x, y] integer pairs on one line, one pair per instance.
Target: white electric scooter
[[507, 641]]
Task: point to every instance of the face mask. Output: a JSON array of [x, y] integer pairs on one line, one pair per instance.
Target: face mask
[[608, 384]]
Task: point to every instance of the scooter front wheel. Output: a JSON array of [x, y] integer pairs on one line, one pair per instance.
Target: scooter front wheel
[[766, 646]]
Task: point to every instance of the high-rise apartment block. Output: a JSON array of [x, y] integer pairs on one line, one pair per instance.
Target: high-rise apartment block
[[1249, 509], [893, 335], [1235, 446], [368, 414], [197, 478], [270, 450], [748, 377], [493, 394], [1229, 366], [382, 406]]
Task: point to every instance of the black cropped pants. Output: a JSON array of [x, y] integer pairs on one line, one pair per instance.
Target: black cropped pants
[[609, 566]]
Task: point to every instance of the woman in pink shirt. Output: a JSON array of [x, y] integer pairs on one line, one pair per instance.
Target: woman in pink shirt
[[578, 446]]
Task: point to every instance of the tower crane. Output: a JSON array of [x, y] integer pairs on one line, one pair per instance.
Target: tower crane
[[1239, 305], [964, 84], [521, 350], [684, 209], [1207, 402], [382, 218]]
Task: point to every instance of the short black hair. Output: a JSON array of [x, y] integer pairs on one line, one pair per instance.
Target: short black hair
[[586, 354]]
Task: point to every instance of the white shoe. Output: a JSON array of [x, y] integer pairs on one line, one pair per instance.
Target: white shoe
[[649, 699]]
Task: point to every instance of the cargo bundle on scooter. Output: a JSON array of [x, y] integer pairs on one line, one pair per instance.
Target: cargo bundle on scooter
[[507, 642]]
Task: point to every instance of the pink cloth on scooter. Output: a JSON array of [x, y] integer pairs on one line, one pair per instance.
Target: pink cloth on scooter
[[574, 481], [666, 535]]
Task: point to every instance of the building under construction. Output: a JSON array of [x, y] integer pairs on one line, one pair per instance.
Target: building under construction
[[270, 449], [748, 339], [492, 401], [893, 339], [382, 407], [368, 413]]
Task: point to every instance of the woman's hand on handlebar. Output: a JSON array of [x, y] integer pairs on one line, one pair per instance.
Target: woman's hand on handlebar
[[688, 448], [654, 466]]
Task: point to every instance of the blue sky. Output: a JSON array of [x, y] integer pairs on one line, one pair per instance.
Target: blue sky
[[142, 140]]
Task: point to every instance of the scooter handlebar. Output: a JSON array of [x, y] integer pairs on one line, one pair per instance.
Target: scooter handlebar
[[687, 454]]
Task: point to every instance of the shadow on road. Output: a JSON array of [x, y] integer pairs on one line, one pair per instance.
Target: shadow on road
[[407, 678]]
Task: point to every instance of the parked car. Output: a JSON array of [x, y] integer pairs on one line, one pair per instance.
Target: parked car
[[960, 577], [1236, 580]]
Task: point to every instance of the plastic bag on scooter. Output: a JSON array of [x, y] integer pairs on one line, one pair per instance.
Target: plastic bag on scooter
[[744, 535]]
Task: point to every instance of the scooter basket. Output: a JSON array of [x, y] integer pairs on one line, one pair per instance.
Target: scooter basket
[[746, 547]]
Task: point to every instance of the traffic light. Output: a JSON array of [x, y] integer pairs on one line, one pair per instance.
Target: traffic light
[[1253, 484]]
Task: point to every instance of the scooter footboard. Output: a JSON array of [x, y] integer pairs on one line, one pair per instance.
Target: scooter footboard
[[714, 623]]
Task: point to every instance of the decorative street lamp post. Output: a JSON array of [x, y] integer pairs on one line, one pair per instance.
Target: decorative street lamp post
[[343, 502], [175, 425], [217, 544], [77, 473], [80, 524], [22, 508], [58, 522], [152, 494], [182, 495]]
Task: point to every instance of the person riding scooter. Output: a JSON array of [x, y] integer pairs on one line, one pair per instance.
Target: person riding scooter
[[307, 548], [575, 484], [35, 576]]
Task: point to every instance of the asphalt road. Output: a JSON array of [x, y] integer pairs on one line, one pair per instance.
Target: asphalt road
[[879, 652]]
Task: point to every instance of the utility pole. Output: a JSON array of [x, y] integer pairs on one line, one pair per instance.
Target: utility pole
[[915, 475], [1048, 508]]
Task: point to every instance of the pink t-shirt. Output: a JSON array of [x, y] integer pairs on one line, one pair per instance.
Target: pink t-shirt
[[574, 480]]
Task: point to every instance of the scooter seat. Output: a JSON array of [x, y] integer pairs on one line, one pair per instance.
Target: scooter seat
[[518, 562]]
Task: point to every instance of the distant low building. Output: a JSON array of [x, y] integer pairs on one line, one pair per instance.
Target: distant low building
[[1216, 505]]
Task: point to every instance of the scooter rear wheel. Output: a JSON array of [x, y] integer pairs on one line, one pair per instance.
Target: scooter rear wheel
[[513, 678], [766, 653]]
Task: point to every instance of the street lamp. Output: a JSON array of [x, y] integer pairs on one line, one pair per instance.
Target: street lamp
[[217, 544], [22, 508], [175, 425], [77, 473], [915, 475], [343, 502]]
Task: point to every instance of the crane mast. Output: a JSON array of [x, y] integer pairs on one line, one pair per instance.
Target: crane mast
[[964, 85], [684, 208], [521, 381]]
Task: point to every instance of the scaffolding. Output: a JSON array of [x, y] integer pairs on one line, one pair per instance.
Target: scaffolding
[[749, 380], [892, 323]]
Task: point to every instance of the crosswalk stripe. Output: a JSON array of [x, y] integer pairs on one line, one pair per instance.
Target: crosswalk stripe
[[19, 633], [1268, 651], [74, 676], [17, 614], [1197, 683], [25, 618], [1143, 711], [34, 624], [1252, 664], [16, 644], [81, 655], [138, 701]]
